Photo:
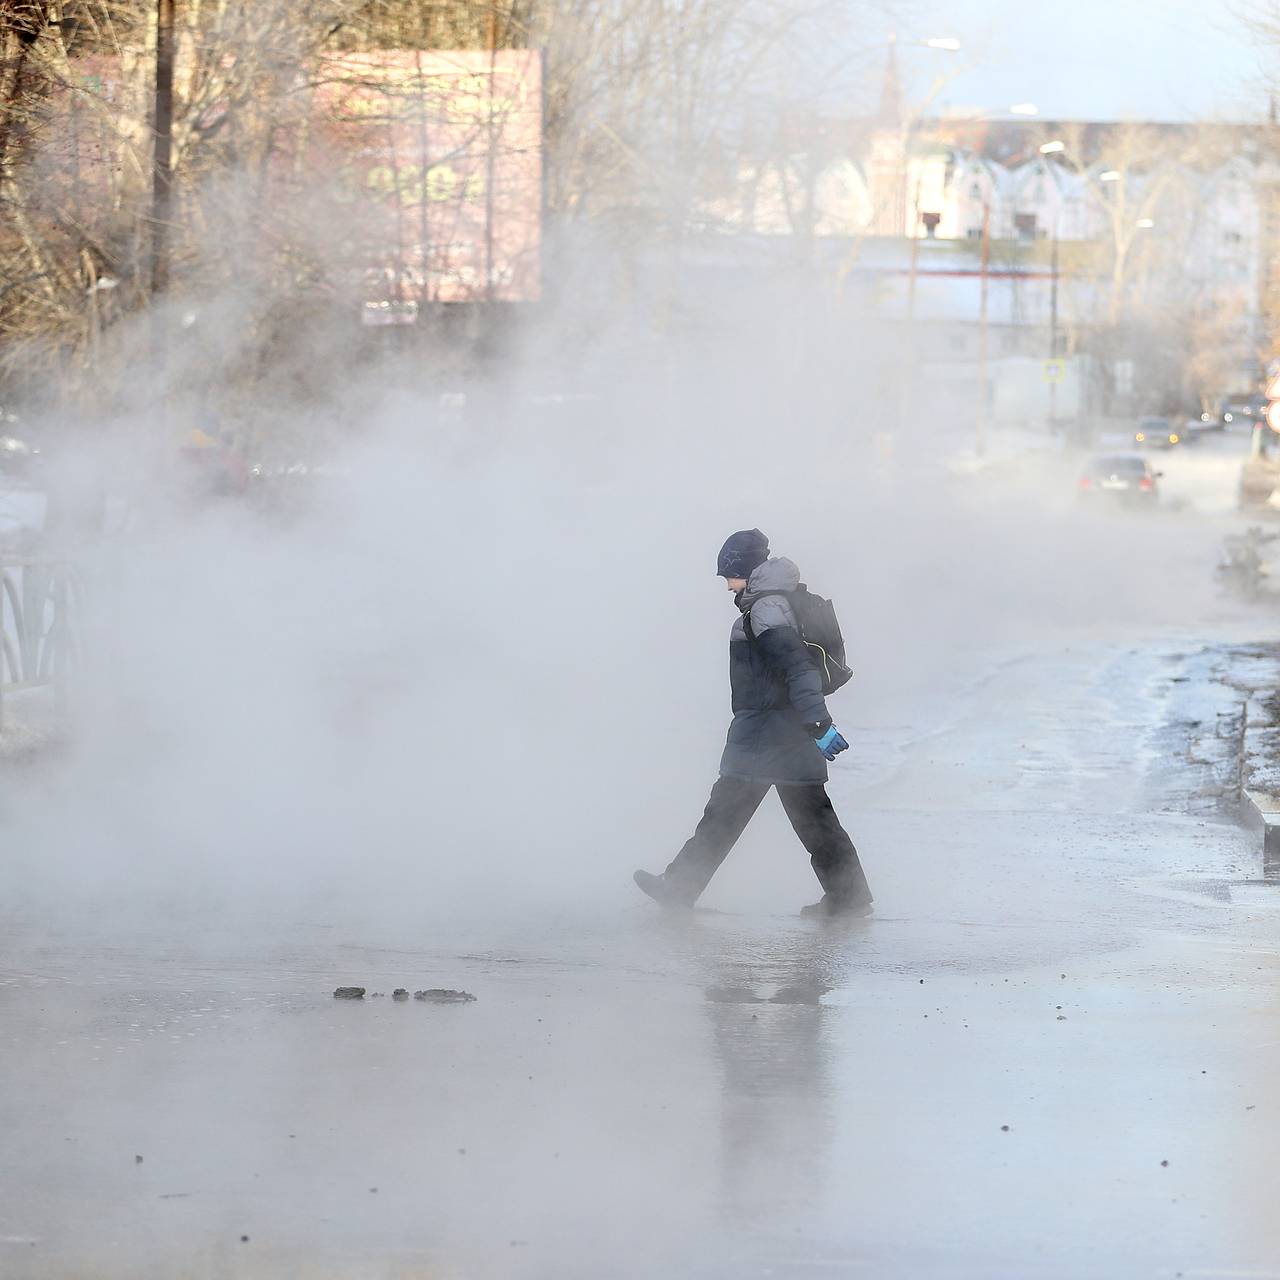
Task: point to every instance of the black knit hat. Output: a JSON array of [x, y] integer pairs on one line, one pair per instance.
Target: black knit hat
[[741, 553]]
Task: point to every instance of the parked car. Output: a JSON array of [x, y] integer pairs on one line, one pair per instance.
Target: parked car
[[1156, 433], [1244, 413], [1120, 477], [1206, 424]]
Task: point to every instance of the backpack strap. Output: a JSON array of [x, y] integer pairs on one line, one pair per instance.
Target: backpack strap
[[746, 617]]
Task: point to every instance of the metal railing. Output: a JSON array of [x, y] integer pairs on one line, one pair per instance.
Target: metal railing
[[39, 603]]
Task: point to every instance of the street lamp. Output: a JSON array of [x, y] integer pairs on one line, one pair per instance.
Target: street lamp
[[903, 206], [944, 44], [1017, 109], [985, 115], [1107, 177], [941, 44], [1054, 148]]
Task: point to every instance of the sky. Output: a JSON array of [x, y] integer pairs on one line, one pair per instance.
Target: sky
[[1093, 59]]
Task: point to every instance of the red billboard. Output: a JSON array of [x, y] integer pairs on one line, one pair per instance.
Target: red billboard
[[435, 160]]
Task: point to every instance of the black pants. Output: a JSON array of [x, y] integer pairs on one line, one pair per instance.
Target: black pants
[[733, 801]]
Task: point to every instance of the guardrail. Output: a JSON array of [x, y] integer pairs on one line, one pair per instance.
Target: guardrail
[[39, 604]]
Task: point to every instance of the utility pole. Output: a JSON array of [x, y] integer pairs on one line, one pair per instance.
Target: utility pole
[[1053, 331], [982, 331], [915, 254], [162, 160], [907, 368], [490, 159]]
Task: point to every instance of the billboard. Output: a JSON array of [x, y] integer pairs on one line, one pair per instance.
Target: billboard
[[434, 162]]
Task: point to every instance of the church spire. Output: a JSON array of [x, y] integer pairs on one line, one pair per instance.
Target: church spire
[[890, 111]]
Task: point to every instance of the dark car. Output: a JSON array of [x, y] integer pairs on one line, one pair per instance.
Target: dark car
[[1120, 477], [1243, 413], [1208, 422], [1156, 433]]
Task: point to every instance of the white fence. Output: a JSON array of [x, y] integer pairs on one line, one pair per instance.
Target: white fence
[[39, 602]]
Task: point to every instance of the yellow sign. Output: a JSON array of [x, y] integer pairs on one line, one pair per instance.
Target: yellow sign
[[1273, 388], [1055, 370]]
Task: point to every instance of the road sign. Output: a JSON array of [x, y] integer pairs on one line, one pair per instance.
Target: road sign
[[1056, 371], [1273, 415], [1273, 388]]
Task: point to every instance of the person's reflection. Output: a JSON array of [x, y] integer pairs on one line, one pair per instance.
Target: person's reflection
[[769, 1032]]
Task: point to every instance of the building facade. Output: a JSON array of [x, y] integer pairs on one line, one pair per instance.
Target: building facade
[[1146, 252]]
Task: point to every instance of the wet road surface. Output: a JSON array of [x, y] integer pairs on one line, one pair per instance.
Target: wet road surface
[[1052, 1053]]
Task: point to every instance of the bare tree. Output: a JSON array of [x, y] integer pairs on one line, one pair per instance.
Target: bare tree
[[1146, 287], [646, 106]]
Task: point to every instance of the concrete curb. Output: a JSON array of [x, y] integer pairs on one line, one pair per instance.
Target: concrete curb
[[1259, 777], [1262, 813]]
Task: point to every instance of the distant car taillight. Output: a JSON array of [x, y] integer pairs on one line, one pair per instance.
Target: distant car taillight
[[1146, 483], [1085, 482]]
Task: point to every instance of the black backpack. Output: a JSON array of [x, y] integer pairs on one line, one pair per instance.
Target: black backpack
[[820, 630]]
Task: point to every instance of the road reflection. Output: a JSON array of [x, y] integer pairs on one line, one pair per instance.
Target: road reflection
[[771, 1042]]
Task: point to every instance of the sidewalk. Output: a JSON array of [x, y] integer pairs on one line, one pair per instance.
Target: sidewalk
[[1004, 447], [1254, 672], [28, 726]]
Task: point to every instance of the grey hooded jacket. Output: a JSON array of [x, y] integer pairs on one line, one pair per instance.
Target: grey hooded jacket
[[777, 691]]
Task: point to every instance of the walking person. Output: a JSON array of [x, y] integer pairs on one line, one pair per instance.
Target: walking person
[[781, 736]]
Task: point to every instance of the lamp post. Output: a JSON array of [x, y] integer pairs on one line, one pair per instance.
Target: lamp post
[[992, 113], [1018, 109], [1049, 149], [941, 44], [984, 388], [906, 208], [1110, 190]]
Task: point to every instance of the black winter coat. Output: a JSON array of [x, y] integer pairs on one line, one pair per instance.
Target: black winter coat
[[776, 689]]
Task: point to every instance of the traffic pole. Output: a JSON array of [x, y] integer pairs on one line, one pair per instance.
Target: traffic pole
[[1053, 331], [981, 441], [907, 366]]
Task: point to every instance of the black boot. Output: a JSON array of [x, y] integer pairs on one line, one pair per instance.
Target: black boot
[[829, 908], [661, 890]]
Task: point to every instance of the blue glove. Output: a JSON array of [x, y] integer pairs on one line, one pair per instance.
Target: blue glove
[[832, 743]]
